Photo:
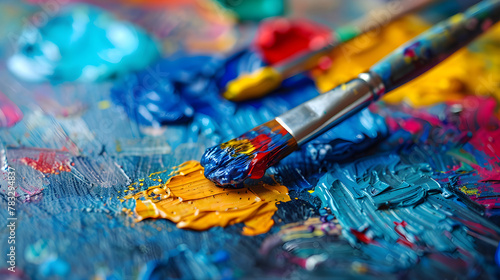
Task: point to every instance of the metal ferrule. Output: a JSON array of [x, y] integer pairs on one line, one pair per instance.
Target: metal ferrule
[[319, 114]]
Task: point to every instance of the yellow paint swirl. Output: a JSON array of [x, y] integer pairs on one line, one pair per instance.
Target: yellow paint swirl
[[194, 202]]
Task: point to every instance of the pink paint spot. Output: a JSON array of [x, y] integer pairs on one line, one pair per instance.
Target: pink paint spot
[[489, 203], [411, 125]]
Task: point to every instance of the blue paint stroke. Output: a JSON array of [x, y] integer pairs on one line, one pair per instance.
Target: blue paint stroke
[[185, 90], [408, 216]]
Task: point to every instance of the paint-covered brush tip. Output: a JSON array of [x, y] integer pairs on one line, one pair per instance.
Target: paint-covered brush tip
[[248, 156]]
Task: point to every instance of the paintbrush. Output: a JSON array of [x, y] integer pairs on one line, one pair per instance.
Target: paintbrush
[[265, 79], [249, 155]]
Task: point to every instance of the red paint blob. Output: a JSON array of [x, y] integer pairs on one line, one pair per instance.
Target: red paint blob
[[47, 163], [280, 38]]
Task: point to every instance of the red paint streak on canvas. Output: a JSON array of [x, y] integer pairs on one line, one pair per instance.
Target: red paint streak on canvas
[[47, 163], [400, 228], [363, 236]]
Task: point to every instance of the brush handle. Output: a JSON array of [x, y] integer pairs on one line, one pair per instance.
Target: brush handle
[[433, 46], [315, 116], [377, 18]]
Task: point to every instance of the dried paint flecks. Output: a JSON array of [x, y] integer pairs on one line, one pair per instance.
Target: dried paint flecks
[[194, 202], [49, 163]]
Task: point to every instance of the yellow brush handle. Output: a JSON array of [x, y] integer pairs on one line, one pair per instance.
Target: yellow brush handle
[[253, 85]]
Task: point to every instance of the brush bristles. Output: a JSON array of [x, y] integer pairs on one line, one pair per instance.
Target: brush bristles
[[248, 156]]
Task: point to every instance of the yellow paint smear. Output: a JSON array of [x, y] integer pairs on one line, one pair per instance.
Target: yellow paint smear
[[194, 202], [243, 146], [470, 71]]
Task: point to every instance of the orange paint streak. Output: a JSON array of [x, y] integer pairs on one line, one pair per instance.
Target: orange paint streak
[[194, 202]]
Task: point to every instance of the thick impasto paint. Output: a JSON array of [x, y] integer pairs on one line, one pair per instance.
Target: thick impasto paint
[[109, 187], [194, 202]]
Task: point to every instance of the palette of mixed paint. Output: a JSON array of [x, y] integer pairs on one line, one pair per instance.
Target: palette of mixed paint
[[106, 110]]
